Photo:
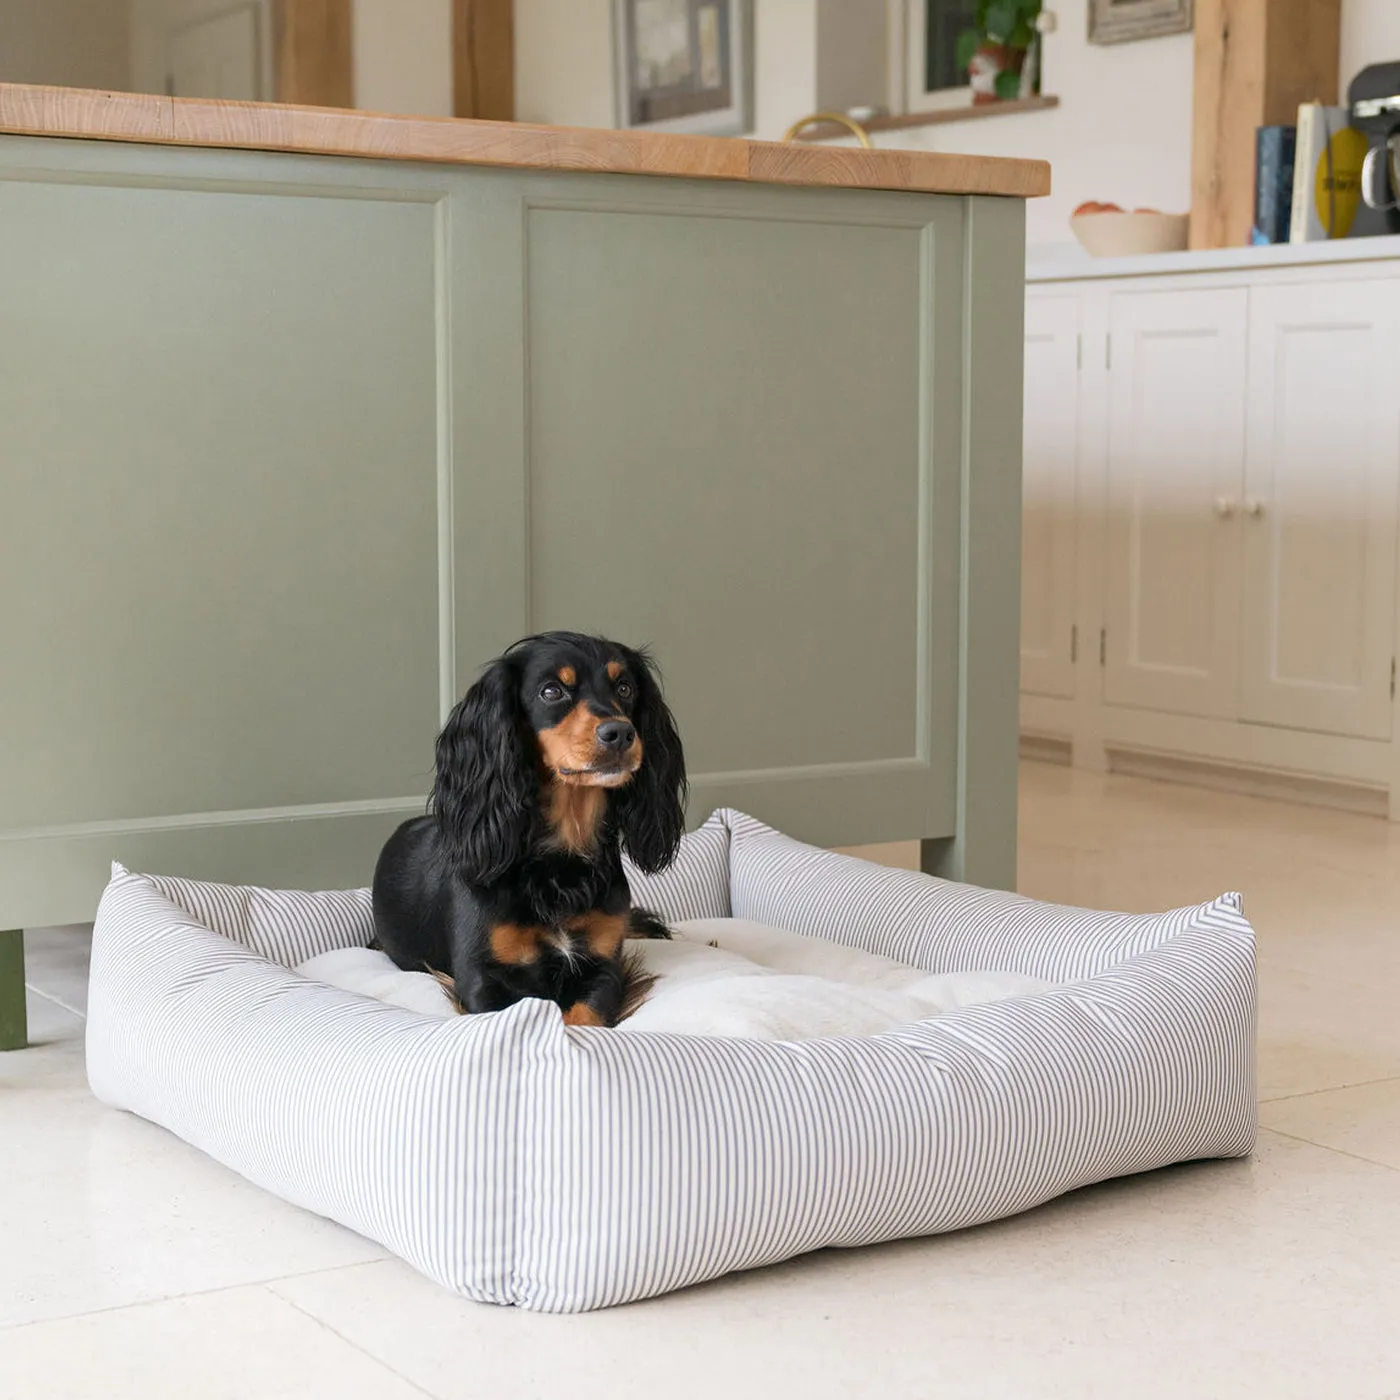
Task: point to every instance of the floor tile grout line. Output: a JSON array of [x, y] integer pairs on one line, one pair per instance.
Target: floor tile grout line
[[194, 1293], [354, 1346], [1336, 1089], [1327, 1147], [53, 1000]]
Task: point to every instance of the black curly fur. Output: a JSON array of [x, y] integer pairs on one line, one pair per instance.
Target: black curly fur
[[485, 786], [651, 808]]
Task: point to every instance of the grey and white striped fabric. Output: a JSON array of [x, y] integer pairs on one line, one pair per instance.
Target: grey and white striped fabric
[[696, 884], [519, 1161]]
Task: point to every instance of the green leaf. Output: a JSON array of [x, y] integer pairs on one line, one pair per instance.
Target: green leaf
[[1001, 20], [1021, 36], [968, 43], [1008, 86]]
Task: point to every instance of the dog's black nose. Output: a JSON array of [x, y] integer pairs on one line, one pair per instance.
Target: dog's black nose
[[615, 734]]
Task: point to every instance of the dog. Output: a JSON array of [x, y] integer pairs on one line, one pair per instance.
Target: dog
[[561, 756]]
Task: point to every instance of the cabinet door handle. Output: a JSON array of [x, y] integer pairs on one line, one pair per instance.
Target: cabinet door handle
[[1254, 509], [1224, 507]]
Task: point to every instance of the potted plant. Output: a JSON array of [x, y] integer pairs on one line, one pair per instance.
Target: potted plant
[[994, 50]]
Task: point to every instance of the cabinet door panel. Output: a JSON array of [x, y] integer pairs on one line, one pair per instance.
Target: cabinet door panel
[[1319, 524], [1176, 427], [1049, 460]]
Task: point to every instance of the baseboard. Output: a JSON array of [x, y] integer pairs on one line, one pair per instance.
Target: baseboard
[[1248, 779], [1047, 748]]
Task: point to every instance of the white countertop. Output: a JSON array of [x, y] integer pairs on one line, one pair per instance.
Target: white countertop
[[1068, 262]]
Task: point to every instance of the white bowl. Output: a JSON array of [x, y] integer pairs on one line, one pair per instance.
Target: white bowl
[[1125, 235]]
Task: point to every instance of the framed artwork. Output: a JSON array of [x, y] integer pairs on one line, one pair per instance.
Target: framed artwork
[[684, 65], [1119, 21]]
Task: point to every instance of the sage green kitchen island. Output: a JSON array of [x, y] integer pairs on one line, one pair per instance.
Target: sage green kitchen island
[[304, 415]]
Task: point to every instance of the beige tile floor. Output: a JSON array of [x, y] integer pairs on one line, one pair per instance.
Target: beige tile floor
[[130, 1266]]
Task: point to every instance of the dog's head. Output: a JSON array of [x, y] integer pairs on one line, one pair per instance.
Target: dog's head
[[559, 710]]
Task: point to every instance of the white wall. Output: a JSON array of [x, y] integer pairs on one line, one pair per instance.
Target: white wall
[[153, 21], [852, 43], [785, 62], [1121, 133], [1123, 130], [403, 50], [564, 59], [69, 43], [564, 75], [403, 56], [1370, 34], [564, 62]]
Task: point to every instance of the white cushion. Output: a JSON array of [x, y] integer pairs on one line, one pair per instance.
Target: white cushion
[[729, 977], [521, 1161]]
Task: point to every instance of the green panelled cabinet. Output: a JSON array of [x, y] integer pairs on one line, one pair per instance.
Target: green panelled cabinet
[[291, 444]]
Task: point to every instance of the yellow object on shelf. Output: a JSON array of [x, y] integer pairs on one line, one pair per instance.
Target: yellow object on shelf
[[1326, 174], [840, 118]]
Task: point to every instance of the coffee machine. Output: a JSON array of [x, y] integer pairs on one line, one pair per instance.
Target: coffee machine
[[1374, 96]]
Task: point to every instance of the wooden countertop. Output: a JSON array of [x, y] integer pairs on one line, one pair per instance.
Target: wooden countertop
[[182, 121]]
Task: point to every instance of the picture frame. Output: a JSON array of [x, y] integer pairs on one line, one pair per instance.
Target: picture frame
[[684, 65], [1122, 21]]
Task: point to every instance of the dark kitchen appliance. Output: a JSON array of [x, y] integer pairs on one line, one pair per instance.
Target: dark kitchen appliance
[[1374, 96]]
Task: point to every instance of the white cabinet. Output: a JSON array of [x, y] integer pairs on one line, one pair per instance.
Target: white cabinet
[[1320, 506], [1176, 415], [1212, 502], [1049, 456]]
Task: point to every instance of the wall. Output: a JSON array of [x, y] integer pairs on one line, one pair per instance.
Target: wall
[[785, 62], [403, 56], [403, 50], [152, 22], [70, 43], [564, 59], [808, 54], [1122, 133], [1370, 34], [564, 62], [852, 43]]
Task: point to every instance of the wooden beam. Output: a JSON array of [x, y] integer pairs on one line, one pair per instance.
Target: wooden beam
[[483, 59], [314, 52], [1256, 60]]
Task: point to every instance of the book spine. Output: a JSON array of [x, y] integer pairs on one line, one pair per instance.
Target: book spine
[[1273, 183], [1304, 164]]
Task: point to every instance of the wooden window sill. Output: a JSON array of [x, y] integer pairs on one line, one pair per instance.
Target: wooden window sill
[[828, 131]]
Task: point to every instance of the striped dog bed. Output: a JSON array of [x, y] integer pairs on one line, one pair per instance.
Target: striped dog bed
[[518, 1161]]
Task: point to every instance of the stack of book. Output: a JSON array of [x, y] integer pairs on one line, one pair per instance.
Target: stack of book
[[1307, 179]]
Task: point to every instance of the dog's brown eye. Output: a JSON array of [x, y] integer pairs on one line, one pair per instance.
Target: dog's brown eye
[[625, 690], [552, 693]]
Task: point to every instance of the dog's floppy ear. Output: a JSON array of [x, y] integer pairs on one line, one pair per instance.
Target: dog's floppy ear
[[484, 793], [651, 808]]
